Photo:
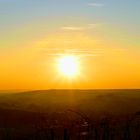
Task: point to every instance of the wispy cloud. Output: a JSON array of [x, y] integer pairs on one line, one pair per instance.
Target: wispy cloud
[[94, 25], [81, 28], [96, 4], [72, 28], [78, 52]]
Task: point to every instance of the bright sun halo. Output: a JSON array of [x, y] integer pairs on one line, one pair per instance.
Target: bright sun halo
[[68, 66]]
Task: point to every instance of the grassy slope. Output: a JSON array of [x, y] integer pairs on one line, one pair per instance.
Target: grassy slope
[[86, 101]]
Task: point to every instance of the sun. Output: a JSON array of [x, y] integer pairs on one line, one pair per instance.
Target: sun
[[68, 66]]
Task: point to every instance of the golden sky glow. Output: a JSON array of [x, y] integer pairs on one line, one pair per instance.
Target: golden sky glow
[[36, 54], [103, 64]]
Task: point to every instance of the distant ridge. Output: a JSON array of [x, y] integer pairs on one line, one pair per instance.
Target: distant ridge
[[67, 90], [80, 90]]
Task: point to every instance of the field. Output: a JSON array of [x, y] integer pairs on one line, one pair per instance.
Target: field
[[70, 115]]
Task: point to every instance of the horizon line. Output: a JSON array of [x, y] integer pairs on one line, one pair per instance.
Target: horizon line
[[26, 90]]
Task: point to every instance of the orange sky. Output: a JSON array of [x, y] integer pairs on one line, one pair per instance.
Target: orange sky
[[104, 35], [104, 64]]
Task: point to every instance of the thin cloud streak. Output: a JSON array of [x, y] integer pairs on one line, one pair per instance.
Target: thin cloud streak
[[72, 28], [96, 4], [62, 54], [94, 25], [78, 52], [81, 28]]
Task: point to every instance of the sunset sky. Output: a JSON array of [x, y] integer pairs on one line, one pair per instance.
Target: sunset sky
[[103, 34]]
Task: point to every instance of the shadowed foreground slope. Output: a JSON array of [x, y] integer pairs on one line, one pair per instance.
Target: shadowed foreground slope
[[71, 114]]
